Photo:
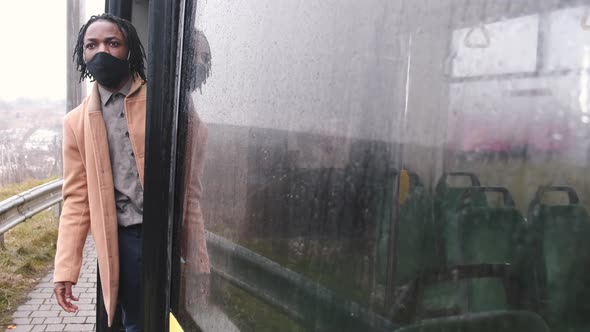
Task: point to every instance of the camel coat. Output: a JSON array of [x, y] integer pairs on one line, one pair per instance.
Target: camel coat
[[89, 198], [88, 190]]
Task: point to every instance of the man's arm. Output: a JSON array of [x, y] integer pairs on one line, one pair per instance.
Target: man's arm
[[197, 256], [194, 246], [74, 222]]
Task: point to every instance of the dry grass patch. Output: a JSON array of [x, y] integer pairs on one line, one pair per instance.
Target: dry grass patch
[[27, 255], [13, 189]]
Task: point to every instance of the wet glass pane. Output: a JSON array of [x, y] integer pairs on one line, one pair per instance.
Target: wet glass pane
[[381, 165]]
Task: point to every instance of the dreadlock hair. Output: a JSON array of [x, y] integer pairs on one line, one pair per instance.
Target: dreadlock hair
[[197, 46], [136, 51]]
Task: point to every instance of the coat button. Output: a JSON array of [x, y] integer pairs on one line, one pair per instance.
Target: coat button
[[122, 114]]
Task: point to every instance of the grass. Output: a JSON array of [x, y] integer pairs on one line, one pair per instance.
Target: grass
[[13, 189], [251, 314], [27, 254], [320, 261], [317, 264]]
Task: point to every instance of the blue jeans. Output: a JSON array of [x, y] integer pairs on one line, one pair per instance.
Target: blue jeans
[[130, 277]]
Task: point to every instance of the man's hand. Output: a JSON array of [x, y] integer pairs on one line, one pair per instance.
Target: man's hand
[[64, 296]]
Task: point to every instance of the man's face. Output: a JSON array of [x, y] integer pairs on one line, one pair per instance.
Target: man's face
[[201, 62], [203, 56], [104, 36]]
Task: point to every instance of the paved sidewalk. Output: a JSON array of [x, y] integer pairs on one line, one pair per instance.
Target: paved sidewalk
[[42, 313]]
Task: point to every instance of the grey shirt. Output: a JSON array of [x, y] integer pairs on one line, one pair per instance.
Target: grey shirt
[[128, 190]]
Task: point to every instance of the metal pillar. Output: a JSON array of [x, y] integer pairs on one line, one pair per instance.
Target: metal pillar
[[120, 8], [76, 91]]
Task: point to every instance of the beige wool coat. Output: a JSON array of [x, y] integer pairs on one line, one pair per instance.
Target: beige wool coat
[[88, 191]]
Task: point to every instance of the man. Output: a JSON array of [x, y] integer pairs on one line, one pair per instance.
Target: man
[[195, 275], [103, 156]]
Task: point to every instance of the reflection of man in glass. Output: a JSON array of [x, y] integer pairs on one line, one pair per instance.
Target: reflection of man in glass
[[197, 61], [200, 69]]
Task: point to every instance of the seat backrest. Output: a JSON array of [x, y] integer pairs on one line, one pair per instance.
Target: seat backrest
[[448, 199], [483, 234], [476, 234], [448, 194], [487, 235], [560, 240]]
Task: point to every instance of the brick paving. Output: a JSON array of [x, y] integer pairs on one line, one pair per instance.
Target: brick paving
[[42, 313]]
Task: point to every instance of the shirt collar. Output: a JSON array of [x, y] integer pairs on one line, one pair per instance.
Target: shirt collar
[[105, 95]]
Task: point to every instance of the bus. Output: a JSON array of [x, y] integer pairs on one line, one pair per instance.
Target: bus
[[373, 165]]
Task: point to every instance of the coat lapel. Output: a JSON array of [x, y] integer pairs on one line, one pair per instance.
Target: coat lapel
[[100, 150], [100, 144]]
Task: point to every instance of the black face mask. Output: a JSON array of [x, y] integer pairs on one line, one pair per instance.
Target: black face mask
[[108, 70]]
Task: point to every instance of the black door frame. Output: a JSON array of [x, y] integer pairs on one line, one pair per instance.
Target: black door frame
[[165, 35], [184, 318]]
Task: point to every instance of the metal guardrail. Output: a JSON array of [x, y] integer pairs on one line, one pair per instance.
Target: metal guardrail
[[301, 299], [19, 208]]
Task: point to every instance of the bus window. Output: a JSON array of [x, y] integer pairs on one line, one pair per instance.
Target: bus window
[[382, 165]]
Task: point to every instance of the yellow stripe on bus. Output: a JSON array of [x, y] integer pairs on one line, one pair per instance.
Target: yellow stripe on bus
[[174, 326]]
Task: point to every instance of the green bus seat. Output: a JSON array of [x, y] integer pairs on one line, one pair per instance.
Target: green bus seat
[[560, 249], [420, 244], [474, 234], [448, 201], [479, 234]]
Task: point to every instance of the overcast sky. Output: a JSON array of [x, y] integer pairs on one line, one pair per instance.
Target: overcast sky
[[33, 57]]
